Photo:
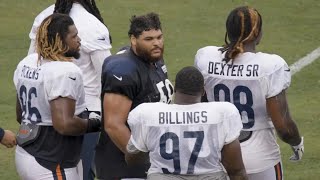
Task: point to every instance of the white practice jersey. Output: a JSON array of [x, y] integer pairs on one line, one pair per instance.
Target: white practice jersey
[[38, 84], [94, 37], [183, 139], [247, 83]]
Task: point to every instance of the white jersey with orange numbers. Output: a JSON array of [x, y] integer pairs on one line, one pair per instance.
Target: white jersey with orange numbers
[[94, 37], [247, 82], [39, 82], [183, 139]]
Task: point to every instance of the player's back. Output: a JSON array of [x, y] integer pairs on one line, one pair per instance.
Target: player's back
[[184, 139], [246, 82]]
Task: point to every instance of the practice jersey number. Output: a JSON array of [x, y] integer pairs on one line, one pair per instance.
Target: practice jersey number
[[166, 91], [25, 100], [175, 154], [242, 107]]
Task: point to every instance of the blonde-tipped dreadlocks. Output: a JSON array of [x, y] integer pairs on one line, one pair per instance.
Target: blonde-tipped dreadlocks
[[243, 25], [50, 37]]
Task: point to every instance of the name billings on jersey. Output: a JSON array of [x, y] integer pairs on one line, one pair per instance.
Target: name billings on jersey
[[223, 69], [194, 117], [30, 73]]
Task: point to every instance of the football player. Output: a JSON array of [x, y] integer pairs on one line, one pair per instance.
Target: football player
[[95, 47], [188, 139], [129, 79], [256, 84], [50, 95]]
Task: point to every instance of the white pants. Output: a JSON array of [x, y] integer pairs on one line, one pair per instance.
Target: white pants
[[274, 173], [29, 169]]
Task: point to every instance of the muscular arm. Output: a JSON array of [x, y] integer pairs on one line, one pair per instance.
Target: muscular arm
[[116, 109], [18, 111], [232, 161], [286, 128], [63, 119]]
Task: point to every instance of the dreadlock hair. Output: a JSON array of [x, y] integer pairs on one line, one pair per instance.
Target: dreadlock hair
[[144, 23], [64, 7], [50, 37], [189, 80], [243, 25]]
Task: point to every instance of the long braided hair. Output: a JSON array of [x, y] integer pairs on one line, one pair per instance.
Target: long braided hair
[[64, 7], [243, 25], [50, 37]]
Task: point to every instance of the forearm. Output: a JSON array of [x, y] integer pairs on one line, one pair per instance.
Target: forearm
[[279, 112], [120, 135], [18, 111], [239, 175], [72, 127], [290, 134]]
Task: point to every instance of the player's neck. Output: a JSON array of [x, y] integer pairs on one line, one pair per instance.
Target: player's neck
[[184, 99], [251, 47]]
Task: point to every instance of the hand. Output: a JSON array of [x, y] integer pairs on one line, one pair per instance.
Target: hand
[[298, 152], [94, 122], [9, 139]]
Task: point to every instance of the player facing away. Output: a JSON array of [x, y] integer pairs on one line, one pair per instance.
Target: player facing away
[[95, 47], [188, 139], [129, 79], [50, 97], [256, 84]]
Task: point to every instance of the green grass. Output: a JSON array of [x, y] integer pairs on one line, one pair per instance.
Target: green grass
[[291, 29]]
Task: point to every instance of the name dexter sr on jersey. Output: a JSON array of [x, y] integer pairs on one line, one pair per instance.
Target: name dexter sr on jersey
[[218, 68], [30, 73], [194, 117]]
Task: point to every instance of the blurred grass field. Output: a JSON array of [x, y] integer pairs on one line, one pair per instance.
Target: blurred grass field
[[291, 29]]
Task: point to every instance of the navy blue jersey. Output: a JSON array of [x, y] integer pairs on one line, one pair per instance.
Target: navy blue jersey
[[141, 81]]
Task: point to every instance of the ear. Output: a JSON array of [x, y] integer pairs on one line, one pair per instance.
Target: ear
[[133, 40]]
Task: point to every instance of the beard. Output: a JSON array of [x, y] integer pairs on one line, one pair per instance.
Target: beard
[[71, 53], [146, 54]]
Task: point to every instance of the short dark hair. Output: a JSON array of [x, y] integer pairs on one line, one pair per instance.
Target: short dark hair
[[50, 40], [243, 25], [189, 80], [144, 23]]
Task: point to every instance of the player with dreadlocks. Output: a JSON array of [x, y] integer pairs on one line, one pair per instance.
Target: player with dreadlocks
[[96, 45], [50, 100], [256, 84]]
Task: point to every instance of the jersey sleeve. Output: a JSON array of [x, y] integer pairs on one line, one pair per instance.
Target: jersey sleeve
[[202, 58], [93, 37], [66, 82], [232, 124], [138, 131], [38, 20], [279, 79], [120, 78]]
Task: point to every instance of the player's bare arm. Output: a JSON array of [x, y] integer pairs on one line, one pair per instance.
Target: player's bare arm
[[116, 110], [138, 158], [232, 161], [18, 111], [278, 110], [63, 119]]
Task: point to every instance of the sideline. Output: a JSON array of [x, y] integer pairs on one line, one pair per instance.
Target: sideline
[[305, 61]]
